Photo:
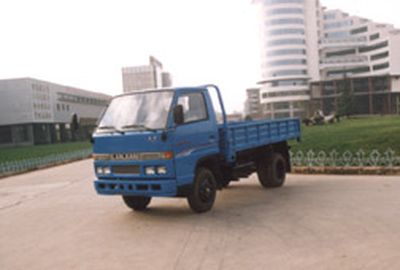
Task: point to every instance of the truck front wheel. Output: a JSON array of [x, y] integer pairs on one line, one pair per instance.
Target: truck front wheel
[[137, 203], [204, 190], [271, 171]]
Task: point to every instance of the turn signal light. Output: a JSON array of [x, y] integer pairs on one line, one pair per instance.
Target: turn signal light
[[168, 155]]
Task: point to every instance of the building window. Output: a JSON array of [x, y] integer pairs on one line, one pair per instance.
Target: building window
[[283, 1], [339, 34], [289, 83], [338, 24], [285, 21], [373, 47], [285, 11], [288, 62], [5, 135], [287, 52], [349, 71], [329, 16], [281, 106], [287, 31], [293, 72], [359, 30], [290, 41], [380, 84], [381, 66], [374, 36], [379, 56], [341, 53], [288, 93]]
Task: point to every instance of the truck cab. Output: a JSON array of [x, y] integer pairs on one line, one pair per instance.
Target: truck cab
[[166, 143]]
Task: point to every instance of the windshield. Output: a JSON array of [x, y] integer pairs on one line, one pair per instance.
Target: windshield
[[141, 111]]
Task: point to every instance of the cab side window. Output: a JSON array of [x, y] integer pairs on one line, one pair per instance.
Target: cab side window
[[194, 107]]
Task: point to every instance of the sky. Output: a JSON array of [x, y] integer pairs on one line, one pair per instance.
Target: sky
[[85, 43]]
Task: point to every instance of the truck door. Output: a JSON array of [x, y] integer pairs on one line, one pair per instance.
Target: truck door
[[197, 137]]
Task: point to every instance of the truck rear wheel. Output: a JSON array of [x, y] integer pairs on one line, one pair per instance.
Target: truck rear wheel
[[201, 198], [137, 203], [271, 171]]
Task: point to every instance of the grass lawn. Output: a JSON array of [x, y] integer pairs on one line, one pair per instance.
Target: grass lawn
[[367, 133], [27, 152]]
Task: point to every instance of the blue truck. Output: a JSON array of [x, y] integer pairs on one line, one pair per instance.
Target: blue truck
[[172, 143]]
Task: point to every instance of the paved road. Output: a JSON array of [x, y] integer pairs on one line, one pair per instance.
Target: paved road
[[52, 219]]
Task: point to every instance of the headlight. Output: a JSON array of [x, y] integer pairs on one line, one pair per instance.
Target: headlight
[[150, 170], [107, 170], [103, 170], [99, 170], [161, 170]]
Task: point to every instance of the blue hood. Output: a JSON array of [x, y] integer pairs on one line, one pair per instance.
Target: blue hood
[[130, 142]]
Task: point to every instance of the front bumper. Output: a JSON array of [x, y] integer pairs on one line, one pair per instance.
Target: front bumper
[[153, 188]]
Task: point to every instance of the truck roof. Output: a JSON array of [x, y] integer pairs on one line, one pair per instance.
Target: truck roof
[[175, 89]]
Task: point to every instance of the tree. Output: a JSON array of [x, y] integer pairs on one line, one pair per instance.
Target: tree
[[346, 100]]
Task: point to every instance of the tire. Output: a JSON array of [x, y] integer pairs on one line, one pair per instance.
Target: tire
[[271, 171], [202, 196], [137, 203]]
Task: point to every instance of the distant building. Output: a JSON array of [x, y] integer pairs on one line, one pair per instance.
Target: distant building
[[234, 117], [310, 54], [145, 77], [38, 112], [166, 79], [253, 104]]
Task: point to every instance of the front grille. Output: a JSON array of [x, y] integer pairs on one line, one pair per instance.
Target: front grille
[[126, 169]]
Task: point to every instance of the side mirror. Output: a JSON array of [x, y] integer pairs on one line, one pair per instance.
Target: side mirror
[[91, 139], [178, 115]]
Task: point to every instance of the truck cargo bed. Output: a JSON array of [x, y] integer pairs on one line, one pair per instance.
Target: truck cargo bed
[[252, 134]]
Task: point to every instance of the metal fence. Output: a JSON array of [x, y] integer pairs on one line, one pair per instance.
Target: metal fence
[[309, 158], [333, 158], [11, 167]]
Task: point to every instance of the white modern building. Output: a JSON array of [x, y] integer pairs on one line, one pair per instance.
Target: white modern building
[[149, 76], [306, 46], [252, 105], [39, 112]]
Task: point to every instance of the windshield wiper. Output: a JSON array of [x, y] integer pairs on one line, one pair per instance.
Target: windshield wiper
[[111, 128], [136, 126]]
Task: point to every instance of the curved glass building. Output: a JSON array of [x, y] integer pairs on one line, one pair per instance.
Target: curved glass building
[[310, 54], [289, 36]]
